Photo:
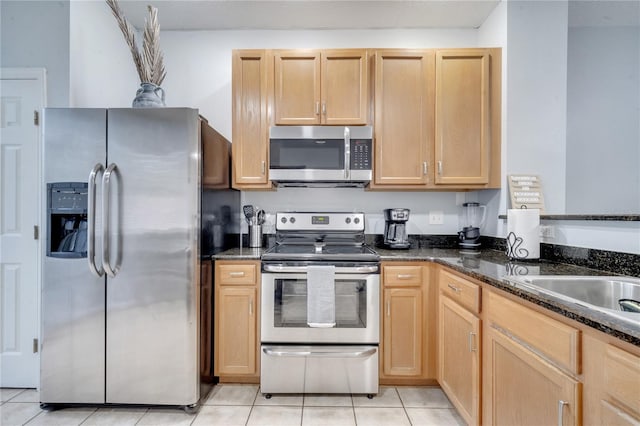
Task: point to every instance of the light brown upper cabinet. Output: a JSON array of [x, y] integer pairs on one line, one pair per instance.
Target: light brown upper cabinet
[[321, 87], [251, 87], [437, 119], [404, 84], [463, 126]]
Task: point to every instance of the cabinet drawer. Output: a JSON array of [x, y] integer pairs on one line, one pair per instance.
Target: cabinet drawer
[[402, 275], [622, 377], [549, 337], [462, 291], [245, 274]]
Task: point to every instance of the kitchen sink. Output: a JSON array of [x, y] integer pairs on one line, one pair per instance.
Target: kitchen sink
[[617, 296]]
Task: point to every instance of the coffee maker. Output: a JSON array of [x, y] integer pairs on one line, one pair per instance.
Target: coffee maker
[[395, 228], [471, 218]]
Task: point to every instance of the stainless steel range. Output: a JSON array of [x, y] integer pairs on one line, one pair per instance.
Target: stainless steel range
[[320, 307]]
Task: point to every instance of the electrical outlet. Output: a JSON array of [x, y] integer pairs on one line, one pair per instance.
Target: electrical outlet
[[547, 232], [436, 217]]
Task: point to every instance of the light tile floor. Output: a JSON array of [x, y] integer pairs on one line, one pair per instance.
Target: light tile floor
[[243, 405]]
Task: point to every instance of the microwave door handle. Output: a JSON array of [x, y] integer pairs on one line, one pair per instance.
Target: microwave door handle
[[347, 152]]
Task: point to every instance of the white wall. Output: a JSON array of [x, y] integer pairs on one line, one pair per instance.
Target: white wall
[[36, 34], [494, 33], [537, 95], [101, 68], [603, 127]]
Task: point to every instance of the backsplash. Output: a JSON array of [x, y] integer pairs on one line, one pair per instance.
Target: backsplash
[[612, 261]]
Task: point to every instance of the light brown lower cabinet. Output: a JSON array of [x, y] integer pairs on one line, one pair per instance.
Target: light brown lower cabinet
[[237, 312], [459, 365], [408, 317], [526, 389]]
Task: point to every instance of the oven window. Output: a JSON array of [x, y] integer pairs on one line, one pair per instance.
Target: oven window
[[290, 303], [306, 154]]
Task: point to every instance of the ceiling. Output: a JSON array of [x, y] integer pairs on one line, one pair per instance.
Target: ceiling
[[356, 14], [311, 14]]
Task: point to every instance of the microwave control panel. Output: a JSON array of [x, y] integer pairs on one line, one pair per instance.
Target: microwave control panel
[[361, 154]]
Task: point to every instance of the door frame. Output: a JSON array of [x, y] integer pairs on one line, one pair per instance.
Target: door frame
[[40, 75]]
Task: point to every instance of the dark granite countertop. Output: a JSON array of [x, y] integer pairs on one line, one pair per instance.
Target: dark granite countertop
[[494, 268]]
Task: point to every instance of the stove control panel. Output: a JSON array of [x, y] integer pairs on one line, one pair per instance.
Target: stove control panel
[[307, 221]]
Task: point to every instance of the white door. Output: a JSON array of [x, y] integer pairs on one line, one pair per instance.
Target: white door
[[21, 96]]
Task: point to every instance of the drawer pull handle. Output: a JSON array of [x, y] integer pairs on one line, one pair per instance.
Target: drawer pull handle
[[388, 308], [251, 307], [561, 405], [236, 274], [454, 288], [405, 276], [471, 339]]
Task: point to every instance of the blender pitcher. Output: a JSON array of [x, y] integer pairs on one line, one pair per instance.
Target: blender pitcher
[[472, 218]]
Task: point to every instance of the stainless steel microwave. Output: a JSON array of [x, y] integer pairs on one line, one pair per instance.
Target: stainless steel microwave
[[320, 155]]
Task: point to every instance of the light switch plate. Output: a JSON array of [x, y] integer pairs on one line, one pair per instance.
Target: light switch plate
[[436, 217]]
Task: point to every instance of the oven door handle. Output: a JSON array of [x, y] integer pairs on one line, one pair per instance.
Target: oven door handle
[[339, 270], [326, 353]]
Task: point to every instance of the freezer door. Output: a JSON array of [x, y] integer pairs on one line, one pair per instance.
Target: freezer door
[[72, 359], [153, 250]]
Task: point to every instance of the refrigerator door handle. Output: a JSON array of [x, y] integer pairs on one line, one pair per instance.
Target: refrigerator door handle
[[105, 220], [91, 221]]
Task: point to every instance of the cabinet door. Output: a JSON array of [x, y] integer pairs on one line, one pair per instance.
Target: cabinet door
[[297, 87], [403, 330], [404, 87], [344, 87], [459, 354], [524, 389], [215, 158], [250, 86], [462, 129], [236, 340]]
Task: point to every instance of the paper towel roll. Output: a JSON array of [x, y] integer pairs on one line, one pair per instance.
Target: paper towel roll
[[523, 233]]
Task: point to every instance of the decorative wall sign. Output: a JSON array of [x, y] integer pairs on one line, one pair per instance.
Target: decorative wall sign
[[526, 192]]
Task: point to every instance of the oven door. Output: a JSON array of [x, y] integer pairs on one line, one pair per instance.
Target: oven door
[[357, 308]]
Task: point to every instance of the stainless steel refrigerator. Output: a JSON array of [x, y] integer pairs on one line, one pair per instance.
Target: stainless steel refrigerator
[[120, 279]]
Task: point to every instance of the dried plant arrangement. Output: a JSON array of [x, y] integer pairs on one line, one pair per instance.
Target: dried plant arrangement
[[149, 64]]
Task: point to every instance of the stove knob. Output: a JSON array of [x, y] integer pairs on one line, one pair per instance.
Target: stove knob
[[283, 220], [292, 219], [348, 220], [356, 220]]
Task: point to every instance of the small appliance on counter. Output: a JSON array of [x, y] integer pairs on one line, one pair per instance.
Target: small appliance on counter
[[395, 228], [471, 219]]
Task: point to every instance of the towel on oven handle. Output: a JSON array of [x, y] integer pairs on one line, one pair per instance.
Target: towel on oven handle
[[321, 296]]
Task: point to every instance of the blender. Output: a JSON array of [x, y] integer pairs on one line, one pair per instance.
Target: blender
[[471, 218]]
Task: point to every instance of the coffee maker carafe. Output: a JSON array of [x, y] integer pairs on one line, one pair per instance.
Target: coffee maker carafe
[[395, 228], [471, 219]]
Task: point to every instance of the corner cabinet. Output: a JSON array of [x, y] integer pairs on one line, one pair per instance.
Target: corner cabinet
[[314, 87], [408, 324], [252, 86], [459, 343], [215, 158], [237, 293]]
